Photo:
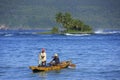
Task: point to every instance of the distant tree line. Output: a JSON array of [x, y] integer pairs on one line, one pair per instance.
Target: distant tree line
[[71, 24]]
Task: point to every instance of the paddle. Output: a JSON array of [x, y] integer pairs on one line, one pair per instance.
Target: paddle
[[72, 65]]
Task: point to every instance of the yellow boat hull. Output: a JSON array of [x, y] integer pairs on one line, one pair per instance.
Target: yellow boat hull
[[62, 65]]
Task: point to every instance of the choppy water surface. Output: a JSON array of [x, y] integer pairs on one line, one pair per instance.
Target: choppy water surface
[[97, 56]]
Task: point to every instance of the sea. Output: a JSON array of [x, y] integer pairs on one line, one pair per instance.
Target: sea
[[96, 56]]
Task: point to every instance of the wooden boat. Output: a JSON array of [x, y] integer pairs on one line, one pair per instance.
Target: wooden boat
[[62, 65]]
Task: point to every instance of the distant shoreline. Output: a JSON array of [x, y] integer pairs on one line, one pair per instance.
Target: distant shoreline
[[48, 31]]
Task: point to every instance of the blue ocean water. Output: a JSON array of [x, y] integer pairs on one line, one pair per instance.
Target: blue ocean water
[[97, 56]]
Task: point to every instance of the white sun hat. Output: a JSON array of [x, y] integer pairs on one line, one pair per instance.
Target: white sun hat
[[55, 54]]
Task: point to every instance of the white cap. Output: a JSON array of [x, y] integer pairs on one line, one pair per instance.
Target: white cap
[[55, 54]]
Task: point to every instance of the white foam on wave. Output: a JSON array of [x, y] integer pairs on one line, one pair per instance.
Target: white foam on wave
[[98, 31], [68, 34], [8, 35], [106, 32]]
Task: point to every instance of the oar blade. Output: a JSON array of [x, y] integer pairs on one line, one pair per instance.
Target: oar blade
[[72, 65]]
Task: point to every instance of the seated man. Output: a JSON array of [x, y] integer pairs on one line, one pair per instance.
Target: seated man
[[55, 60]]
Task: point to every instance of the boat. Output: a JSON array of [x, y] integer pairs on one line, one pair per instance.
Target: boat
[[62, 65]]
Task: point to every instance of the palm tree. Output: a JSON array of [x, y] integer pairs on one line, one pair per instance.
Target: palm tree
[[59, 17]]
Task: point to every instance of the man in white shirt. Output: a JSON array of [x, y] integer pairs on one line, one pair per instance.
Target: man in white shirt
[[42, 57]]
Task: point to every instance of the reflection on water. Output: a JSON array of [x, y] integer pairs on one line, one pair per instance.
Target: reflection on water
[[45, 75], [42, 75]]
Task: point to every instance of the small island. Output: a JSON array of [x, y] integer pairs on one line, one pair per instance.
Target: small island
[[70, 25]]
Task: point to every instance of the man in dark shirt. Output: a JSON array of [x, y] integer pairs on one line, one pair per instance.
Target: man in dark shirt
[[55, 60]]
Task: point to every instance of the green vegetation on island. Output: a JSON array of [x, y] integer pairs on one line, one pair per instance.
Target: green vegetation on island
[[55, 30], [70, 24]]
